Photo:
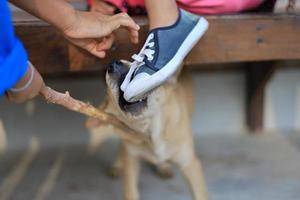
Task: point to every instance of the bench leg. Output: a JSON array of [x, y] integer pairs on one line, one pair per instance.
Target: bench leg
[[257, 76]]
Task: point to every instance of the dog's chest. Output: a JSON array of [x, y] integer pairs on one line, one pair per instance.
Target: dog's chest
[[158, 149], [154, 128], [158, 152], [141, 125], [159, 144]]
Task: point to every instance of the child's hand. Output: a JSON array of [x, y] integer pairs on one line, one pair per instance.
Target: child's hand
[[29, 92], [88, 30], [102, 7], [93, 31], [106, 9]]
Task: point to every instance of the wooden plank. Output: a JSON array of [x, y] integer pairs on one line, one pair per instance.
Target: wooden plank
[[47, 49], [257, 76], [232, 38], [249, 38]]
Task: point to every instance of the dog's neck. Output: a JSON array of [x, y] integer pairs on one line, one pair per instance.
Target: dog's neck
[[144, 123], [152, 120]]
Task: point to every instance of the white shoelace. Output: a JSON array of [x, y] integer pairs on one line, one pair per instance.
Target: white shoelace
[[138, 60]]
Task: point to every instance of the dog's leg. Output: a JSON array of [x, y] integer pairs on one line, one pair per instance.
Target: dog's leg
[[98, 135], [192, 171], [117, 167], [130, 175]]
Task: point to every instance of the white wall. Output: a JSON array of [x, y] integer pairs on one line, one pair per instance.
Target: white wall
[[221, 102], [282, 101]]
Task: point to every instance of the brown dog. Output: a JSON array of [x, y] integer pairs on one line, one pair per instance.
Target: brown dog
[[166, 116]]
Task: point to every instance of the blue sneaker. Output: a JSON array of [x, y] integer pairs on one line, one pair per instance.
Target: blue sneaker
[[162, 54]]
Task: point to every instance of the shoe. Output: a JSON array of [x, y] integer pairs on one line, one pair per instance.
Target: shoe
[[162, 54]]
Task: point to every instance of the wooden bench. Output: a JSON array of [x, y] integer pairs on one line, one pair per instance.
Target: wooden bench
[[256, 42]]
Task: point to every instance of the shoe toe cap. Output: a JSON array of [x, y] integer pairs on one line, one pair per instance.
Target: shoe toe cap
[[136, 88]]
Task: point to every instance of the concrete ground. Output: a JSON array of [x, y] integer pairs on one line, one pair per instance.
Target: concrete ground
[[44, 156]]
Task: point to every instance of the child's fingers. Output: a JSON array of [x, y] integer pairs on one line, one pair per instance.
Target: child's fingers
[[90, 45], [99, 54], [106, 43], [134, 36], [129, 23], [123, 19]]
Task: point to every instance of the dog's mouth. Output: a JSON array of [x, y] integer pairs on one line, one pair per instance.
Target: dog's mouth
[[132, 107], [117, 71]]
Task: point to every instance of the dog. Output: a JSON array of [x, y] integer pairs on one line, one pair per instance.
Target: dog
[[165, 117]]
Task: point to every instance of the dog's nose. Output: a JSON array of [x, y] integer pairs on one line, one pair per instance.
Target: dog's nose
[[115, 66]]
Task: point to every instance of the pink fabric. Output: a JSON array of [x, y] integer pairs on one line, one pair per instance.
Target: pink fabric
[[201, 6], [89, 2]]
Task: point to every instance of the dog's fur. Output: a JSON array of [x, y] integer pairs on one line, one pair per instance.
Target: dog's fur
[[166, 116]]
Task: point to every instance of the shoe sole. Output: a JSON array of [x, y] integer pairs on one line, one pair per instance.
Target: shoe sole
[[170, 68]]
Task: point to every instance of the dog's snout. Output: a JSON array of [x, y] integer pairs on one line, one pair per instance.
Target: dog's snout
[[117, 69], [115, 66]]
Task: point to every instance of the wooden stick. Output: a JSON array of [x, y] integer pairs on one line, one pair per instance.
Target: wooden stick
[[65, 100]]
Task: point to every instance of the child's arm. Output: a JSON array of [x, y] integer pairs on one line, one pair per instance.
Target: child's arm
[[59, 13], [15, 75], [82, 28]]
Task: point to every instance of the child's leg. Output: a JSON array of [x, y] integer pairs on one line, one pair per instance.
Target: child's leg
[[173, 33], [161, 13]]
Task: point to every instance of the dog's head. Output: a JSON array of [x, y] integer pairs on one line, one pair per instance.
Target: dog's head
[[116, 74]]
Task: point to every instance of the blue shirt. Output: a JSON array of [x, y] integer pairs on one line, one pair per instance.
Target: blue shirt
[[13, 56]]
